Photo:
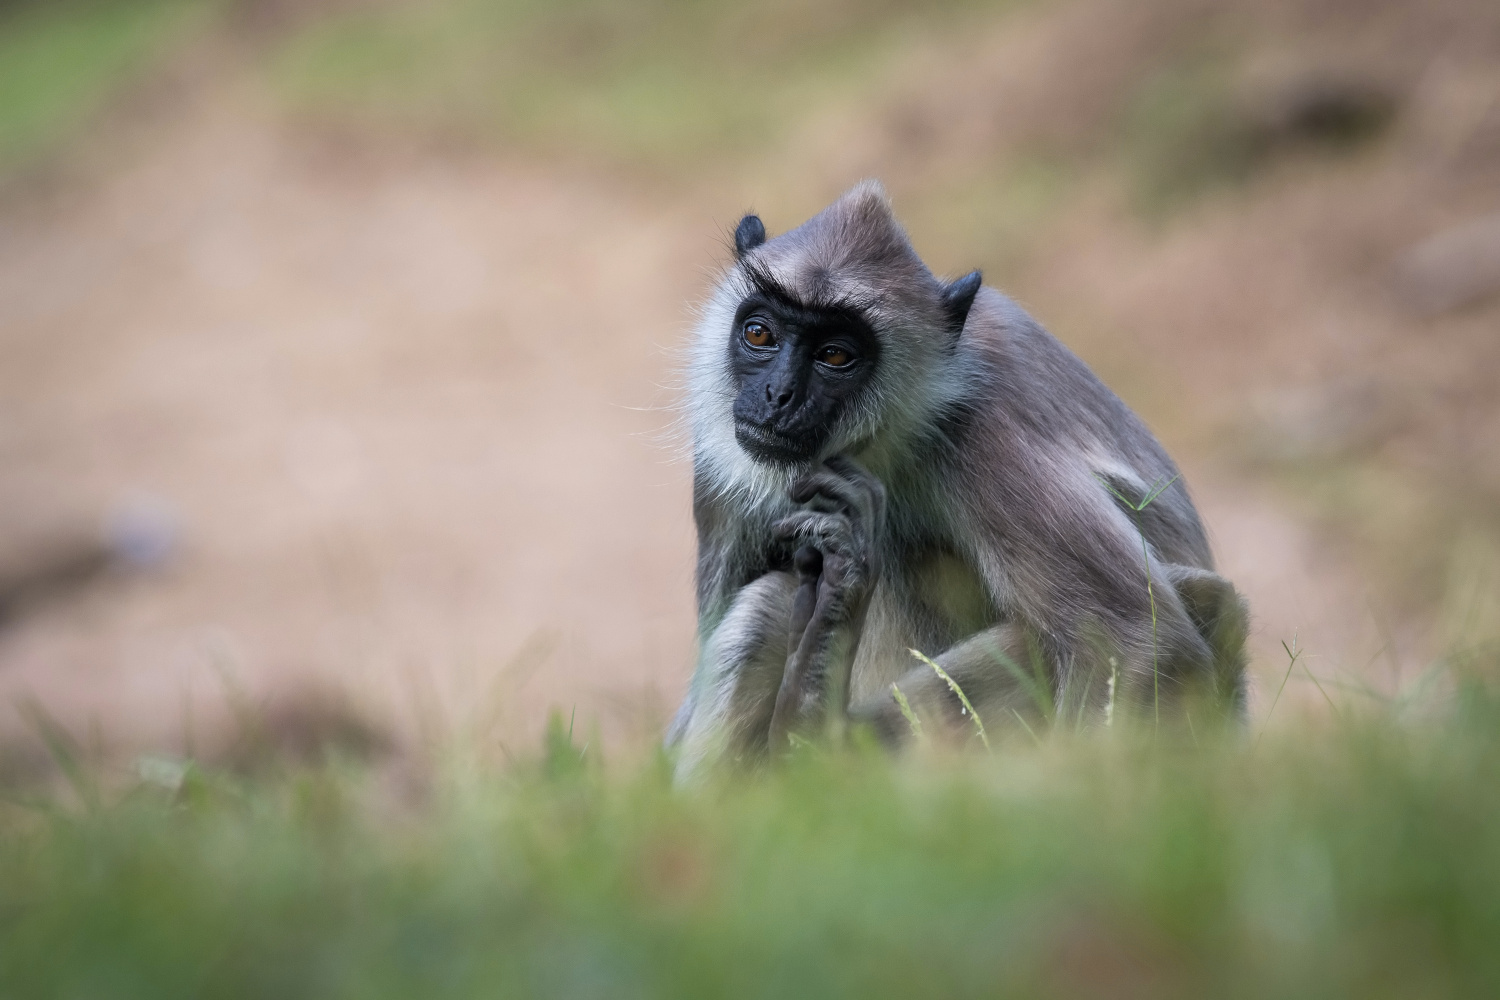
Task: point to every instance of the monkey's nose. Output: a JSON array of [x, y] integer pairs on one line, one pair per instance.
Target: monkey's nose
[[780, 399]]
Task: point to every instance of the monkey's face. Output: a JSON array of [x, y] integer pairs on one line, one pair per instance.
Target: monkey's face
[[800, 370]]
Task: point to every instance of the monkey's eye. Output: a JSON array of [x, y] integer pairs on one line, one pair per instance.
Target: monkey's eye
[[757, 334], [835, 356]]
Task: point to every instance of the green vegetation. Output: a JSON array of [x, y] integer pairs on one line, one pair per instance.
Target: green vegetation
[[653, 81], [1356, 858], [1188, 129], [1182, 135], [1356, 854], [60, 62]]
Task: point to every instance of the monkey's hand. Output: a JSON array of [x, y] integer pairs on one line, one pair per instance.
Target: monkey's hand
[[837, 539]]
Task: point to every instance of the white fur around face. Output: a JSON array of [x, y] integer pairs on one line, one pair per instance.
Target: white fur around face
[[711, 390], [919, 374]]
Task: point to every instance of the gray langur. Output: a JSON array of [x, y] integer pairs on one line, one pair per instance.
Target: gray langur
[[886, 461]]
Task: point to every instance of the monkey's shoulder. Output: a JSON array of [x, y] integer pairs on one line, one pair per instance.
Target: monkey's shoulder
[[1020, 368], [1031, 401]]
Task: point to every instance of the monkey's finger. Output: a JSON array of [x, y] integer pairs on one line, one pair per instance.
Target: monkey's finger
[[829, 532], [808, 561], [804, 524], [791, 527], [848, 468], [862, 480], [830, 493]]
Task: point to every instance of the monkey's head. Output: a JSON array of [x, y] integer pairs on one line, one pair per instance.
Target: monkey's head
[[830, 338]]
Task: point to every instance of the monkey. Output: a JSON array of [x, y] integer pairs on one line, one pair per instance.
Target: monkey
[[885, 462]]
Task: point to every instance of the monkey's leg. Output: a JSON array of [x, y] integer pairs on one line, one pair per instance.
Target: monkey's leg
[[1223, 620], [733, 693], [1000, 671], [838, 563]]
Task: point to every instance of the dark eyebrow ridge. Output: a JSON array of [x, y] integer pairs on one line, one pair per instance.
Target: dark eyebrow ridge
[[766, 284]]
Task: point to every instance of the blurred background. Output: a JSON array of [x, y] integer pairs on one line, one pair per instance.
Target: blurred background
[[338, 338]]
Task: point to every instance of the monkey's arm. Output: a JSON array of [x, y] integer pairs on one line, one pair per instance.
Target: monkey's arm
[[778, 662], [825, 632], [837, 534]]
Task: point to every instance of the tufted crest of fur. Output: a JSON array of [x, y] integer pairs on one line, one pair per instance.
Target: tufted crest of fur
[[853, 253]]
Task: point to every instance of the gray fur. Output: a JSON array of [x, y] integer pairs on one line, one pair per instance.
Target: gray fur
[[999, 541]]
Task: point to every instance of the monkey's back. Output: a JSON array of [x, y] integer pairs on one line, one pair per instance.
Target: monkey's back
[[1037, 403]]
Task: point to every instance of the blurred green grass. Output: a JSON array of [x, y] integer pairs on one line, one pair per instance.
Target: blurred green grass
[[1356, 858], [1352, 859], [62, 61], [653, 81], [674, 87]]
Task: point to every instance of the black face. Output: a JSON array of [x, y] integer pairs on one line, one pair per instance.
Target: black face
[[799, 367]]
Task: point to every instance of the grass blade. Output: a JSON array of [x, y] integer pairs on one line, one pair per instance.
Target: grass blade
[[963, 698], [1292, 653], [906, 712]]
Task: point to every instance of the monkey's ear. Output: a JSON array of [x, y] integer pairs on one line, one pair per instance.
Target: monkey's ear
[[958, 296], [748, 235]]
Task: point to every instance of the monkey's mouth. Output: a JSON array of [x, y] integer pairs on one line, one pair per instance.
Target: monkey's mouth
[[772, 447]]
